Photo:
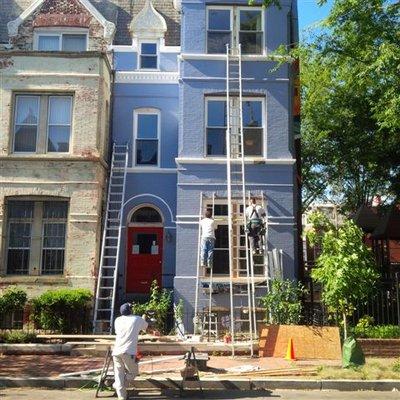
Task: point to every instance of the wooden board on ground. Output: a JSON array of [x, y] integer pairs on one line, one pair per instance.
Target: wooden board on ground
[[309, 342]]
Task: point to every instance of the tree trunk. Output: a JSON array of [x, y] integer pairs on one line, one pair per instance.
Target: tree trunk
[[345, 325]]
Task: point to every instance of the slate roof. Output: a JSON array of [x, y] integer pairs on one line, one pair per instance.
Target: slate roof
[[367, 218], [119, 12]]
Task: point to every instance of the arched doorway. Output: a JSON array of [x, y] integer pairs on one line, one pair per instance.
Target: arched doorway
[[144, 250]]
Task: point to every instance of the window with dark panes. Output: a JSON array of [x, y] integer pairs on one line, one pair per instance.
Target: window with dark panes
[[221, 250], [42, 123], [54, 232], [147, 125], [36, 233], [251, 31], [216, 128], [74, 42], [234, 26], [20, 219], [146, 215], [219, 30], [253, 128], [148, 56]]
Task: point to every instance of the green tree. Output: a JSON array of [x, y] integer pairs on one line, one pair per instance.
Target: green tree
[[346, 269], [350, 80], [283, 302]]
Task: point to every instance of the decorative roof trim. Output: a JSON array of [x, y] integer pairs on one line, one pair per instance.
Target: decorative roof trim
[[147, 77], [178, 5], [109, 27], [148, 23]]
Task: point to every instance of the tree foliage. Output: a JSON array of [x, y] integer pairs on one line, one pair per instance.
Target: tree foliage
[[346, 269], [283, 302], [350, 80]]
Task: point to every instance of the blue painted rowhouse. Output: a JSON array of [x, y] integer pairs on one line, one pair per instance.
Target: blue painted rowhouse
[[170, 106]]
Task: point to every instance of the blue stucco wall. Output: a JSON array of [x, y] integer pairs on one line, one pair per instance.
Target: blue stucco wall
[[154, 186], [275, 177]]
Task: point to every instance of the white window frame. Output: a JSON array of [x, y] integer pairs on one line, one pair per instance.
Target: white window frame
[[38, 100], [56, 31], [48, 125], [139, 53], [235, 25], [148, 111], [230, 9], [263, 126]]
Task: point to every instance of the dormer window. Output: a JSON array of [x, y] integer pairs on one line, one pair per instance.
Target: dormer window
[[61, 41], [148, 55]]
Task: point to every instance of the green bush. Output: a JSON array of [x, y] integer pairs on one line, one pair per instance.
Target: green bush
[[377, 331], [15, 337], [283, 302], [60, 310], [12, 299], [159, 304]]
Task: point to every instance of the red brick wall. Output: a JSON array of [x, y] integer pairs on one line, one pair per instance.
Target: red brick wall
[[380, 347]]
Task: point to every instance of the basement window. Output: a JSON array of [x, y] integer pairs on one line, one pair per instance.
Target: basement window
[[36, 236]]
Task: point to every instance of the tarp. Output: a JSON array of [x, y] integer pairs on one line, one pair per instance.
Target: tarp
[[352, 355]]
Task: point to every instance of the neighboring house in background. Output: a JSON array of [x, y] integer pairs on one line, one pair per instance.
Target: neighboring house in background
[[55, 85], [146, 116]]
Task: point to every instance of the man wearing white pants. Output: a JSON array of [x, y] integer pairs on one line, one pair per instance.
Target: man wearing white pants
[[127, 328]]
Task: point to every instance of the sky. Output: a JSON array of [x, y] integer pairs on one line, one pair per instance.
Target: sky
[[310, 13]]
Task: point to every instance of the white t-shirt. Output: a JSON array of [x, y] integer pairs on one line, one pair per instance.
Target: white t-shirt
[[127, 328], [207, 228], [252, 215]]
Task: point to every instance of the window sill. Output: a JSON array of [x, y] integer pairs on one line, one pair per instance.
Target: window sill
[[222, 160], [24, 279]]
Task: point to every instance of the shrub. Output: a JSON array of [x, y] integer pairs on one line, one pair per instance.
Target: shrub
[[13, 299], [15, 337], [396, 366], [61, 310], [283, 302], [159, 304], [377, 331]]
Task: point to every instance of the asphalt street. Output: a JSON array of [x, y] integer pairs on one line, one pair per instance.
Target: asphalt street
[[37, 394]]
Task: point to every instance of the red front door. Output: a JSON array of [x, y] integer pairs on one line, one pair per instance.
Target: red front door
[[144, 258]]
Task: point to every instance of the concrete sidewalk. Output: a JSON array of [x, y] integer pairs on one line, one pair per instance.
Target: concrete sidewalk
[[39, 394]]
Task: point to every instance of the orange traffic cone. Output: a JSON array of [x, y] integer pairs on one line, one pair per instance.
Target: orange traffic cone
[[290, 351]]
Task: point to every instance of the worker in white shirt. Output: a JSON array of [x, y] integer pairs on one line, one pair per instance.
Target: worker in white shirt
[[207, 227], [255, 215], [127, 328]]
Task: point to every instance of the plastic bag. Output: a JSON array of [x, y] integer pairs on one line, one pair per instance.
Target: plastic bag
[[352, 355]]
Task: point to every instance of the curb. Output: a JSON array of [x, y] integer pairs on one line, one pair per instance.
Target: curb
[[218, 385], [35, 349]]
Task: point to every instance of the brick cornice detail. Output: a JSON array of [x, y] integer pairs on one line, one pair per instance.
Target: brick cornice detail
[[70, 20]]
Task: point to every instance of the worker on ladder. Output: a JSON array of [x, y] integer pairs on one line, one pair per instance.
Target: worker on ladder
[[255, 215], [207, 227]]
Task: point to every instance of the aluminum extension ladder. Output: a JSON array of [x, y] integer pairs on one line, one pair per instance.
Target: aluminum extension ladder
[[108, 271]]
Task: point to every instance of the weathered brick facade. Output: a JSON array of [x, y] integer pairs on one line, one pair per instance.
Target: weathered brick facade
[[65, 13], [79, 176]]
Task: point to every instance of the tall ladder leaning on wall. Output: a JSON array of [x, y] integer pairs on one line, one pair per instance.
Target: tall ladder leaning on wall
[[103, 317]]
